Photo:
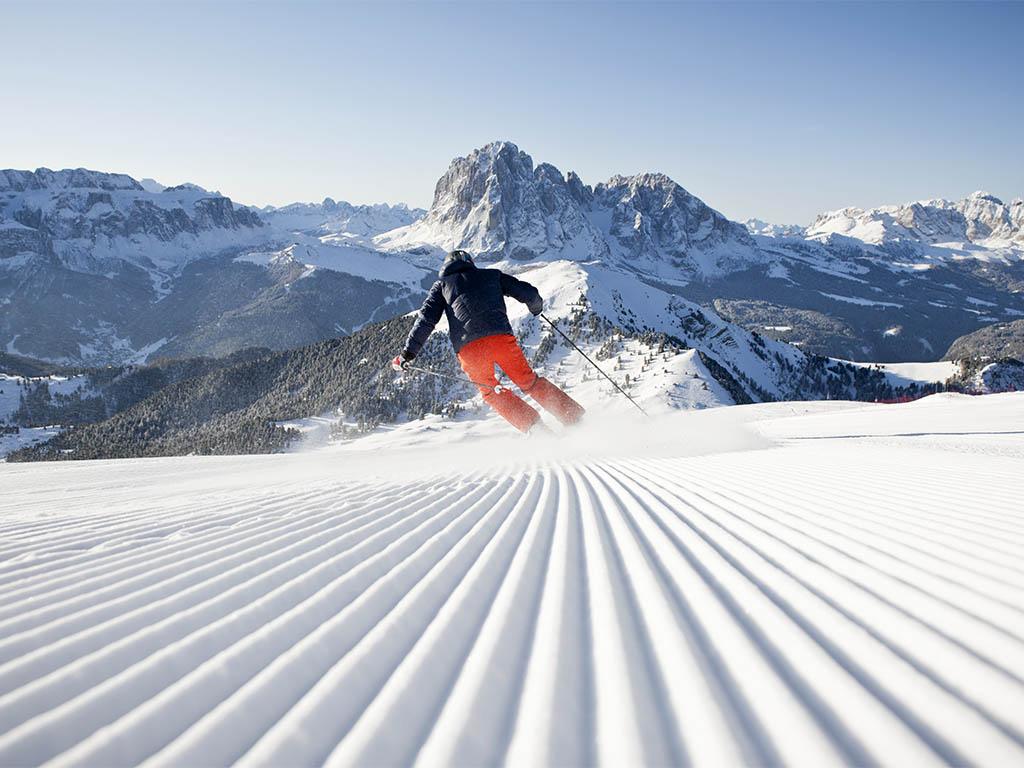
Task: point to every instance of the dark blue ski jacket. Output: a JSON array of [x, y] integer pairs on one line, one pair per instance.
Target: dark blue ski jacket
[[473, 299]]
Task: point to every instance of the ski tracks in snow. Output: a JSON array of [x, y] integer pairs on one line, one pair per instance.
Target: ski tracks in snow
[[765, 607]]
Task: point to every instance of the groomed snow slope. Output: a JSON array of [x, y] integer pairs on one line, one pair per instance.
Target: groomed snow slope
[[804, 584]]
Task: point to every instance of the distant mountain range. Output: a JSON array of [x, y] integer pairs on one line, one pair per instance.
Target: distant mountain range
[[674, 300], [897, 284], [98, 268], [95, 268]]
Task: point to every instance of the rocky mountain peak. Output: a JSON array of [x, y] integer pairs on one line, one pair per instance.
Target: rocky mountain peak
[[580, 192], [654, 219], [497, 204], [981, 195], [484, 173], [152, 185], [70, 178], [647, 180]]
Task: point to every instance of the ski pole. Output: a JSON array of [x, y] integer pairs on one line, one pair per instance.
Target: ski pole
[[573, 344], [498, 389]]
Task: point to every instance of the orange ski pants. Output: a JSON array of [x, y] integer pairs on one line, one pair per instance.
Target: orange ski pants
[[478, 359]]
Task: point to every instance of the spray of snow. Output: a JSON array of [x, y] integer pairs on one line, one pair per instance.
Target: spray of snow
[[433, 445]]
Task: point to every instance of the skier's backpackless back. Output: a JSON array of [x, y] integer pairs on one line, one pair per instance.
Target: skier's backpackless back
[[473, 300]]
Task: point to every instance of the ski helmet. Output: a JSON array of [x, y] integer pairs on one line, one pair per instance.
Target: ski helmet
[[458, 255]]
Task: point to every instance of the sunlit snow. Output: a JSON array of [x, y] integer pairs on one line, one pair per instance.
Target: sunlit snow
[[793, 583]]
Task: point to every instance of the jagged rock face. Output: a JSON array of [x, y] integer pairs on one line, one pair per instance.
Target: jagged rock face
[[980, 218], [653, 218], [97, 268], [496, 204], [91, 212], [77, 178], [92, 222]]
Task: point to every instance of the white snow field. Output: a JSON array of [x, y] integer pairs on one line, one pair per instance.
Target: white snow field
[[813, 584]]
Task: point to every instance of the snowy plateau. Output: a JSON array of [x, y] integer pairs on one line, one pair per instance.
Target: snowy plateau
[[804, 584]]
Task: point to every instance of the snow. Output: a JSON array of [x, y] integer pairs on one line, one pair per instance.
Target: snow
[[350, 259], [17, 261], [26, 437], [860, 301], [956, 227], [11, 390], [765, 229], [793, 583], [980, 302], [495, 204], [147, 351], [12, 387], [904, 374], [94, 252], [152, 185]]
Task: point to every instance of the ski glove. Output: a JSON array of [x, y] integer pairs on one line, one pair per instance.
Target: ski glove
[[401, 361]]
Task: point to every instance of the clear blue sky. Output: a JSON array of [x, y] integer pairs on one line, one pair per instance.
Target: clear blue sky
[[774, 110]]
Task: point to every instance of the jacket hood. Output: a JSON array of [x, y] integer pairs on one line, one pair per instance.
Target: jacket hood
[[455, 266]]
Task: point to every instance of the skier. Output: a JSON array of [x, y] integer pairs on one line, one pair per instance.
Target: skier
[[474, 301]]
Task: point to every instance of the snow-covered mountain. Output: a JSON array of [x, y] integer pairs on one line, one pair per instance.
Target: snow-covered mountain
[[767, 229], [99, 268], [94, 223], [902, 295], [340, 221], [604, 258], [894, 283], [980, 219], [496, 204]]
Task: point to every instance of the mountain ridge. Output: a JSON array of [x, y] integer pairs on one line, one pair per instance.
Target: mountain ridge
[[95, 268], [81, 283], [495, 203]]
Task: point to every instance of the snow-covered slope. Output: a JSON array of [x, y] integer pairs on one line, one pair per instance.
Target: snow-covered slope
[[343, 258], [602, 298], [792, 584], [14, 390]]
